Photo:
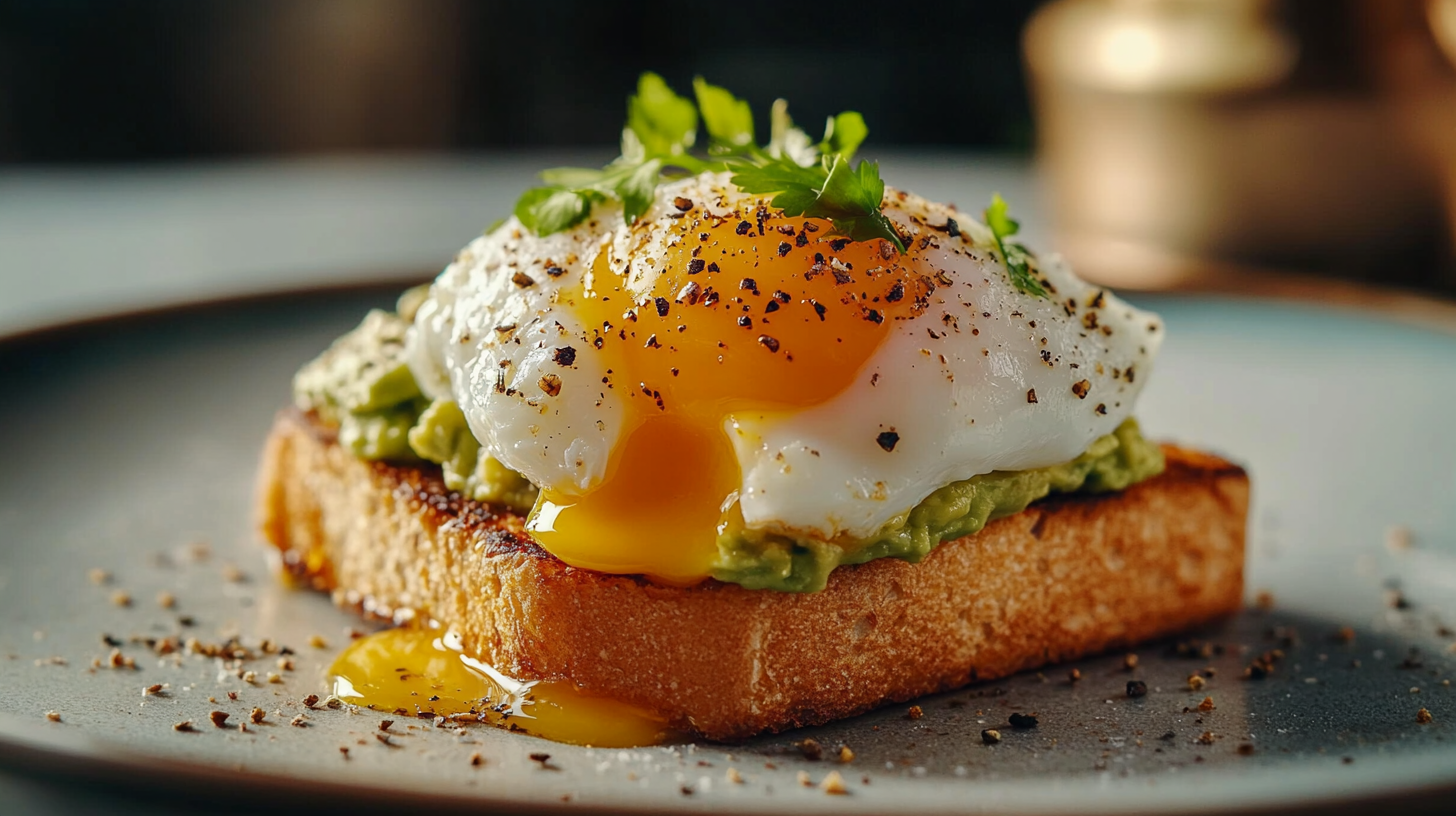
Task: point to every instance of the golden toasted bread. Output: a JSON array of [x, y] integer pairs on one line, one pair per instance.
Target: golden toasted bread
[[1068, 576]]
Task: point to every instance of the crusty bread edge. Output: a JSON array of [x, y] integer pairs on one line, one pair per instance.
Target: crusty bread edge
[[1069, 576]]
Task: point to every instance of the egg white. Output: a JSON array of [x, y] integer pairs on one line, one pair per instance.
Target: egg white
[[982, 380]]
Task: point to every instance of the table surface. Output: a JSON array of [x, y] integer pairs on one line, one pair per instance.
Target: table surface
[[78, 243]]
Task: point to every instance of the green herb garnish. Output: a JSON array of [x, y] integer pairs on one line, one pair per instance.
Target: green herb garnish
[[808, 179], [1013, 254]]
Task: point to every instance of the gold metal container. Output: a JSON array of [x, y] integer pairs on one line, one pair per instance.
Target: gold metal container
[[1175, 133]]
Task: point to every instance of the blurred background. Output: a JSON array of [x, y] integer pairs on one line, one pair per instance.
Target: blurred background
[[145, 144]]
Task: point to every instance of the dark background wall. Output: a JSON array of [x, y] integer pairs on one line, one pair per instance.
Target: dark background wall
[[147, 80]]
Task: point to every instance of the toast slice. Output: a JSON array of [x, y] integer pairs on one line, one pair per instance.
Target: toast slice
[[1068, 576]]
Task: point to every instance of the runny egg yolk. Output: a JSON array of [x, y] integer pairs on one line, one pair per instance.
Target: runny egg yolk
[[759, 313], [414, 671]]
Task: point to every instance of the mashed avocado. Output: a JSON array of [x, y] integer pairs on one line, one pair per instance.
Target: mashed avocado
[[363, 385], [759, 560], [441, 436]]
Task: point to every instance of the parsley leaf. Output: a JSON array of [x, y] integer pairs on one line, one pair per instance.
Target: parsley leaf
[[545, 210], [848, 197], [665, 123], [808, 179], [728, 119], [637, 188], [843, 134], [1015, 255]]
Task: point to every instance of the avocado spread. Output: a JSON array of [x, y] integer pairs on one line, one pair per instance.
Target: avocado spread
[[363, 385]]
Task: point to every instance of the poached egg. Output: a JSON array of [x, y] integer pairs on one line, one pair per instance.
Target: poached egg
[[716, 357]]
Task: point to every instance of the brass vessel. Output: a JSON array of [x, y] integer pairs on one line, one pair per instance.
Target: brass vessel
[[1177, 135]]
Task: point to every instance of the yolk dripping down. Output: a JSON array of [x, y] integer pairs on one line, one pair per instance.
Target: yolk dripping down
[[771, 315], [414, 671]]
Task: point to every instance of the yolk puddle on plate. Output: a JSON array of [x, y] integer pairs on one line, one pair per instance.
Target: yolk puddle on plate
[[422, 671], [729, 321]]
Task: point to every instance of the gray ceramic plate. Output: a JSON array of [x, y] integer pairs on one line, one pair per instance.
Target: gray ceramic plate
[[129, 443]]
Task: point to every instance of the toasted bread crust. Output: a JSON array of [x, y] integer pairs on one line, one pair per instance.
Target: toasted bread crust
[[1067, 577]]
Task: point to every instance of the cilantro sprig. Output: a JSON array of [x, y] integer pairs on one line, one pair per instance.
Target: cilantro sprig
[[815, 180], [1015, 255]]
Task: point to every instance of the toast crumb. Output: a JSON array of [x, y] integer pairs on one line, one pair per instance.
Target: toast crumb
[[219, 719], [833, 784], [1424, 716], [53, 716]]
